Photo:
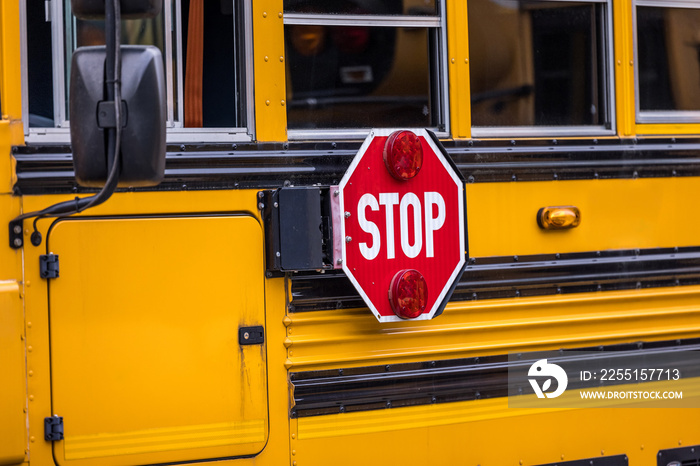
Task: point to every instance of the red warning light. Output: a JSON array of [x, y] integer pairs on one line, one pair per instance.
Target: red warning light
[[403, 155], [408, 294]]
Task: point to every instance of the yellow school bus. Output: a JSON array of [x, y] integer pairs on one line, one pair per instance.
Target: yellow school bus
[[186, 322]]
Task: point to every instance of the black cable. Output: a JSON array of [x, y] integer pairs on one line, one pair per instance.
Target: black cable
[[113, 81], [113, 72]]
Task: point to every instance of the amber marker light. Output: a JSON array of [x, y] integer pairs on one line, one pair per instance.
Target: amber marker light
[[408, 294], [403, 155], [559, 217]]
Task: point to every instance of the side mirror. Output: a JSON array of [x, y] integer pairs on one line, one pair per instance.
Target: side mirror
[[143, 122]]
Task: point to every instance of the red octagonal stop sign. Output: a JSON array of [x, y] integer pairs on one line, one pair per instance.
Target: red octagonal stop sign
[[403, 239]]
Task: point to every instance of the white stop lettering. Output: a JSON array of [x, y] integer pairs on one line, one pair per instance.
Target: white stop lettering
[[423, 220]]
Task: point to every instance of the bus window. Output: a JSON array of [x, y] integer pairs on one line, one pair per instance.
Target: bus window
[[40, 81], [364, 7], [360, 64], [210, 93], [82, 33], [668, 62], [539, 66]]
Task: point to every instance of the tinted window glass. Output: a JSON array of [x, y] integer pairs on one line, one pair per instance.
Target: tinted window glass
[[82, 33], [668, 56], [212, 36], [362, 7], [359, 77], [221, 76], [41, 110], [538, 63]]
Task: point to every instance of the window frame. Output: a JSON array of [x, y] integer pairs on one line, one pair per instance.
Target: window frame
[[175, 132], [436, 22], [570, 131], [658, 116]]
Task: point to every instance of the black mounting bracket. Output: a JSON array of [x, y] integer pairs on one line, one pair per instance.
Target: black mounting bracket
[[105, 114], [16, 238], [298, 227]]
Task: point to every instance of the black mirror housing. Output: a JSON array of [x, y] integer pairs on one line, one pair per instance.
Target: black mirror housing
[[130, 9], [143, 116]]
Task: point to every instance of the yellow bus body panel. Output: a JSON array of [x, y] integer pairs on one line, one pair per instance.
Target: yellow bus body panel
[[12, 388], [8, 178], [241, 202], [132, 310], [668, 129], [487, 432], [354, 338], [458, 51], [13, 382], [269, 62], [623, 68], [145, 356], [615, 214], [10, 63]]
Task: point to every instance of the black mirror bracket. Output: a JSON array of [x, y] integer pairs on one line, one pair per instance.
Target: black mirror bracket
[[105, 114]]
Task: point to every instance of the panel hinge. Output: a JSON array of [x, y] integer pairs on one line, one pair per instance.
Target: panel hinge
[[48, 265], [251, 335], [53, 428]]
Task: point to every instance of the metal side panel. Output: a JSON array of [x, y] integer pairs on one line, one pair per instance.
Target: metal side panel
[[13, 431], [618, 214], [146, 362], [488, 432]]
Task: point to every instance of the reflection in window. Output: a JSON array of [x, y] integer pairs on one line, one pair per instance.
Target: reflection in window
[[538, 63], [39, 62], [216, 91], [668, 58], [83, 33], [362, 7], [213, 82], [358, 77], [381, 72], [135, 31]]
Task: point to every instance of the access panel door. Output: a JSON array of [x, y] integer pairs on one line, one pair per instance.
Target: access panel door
[[145, 316]]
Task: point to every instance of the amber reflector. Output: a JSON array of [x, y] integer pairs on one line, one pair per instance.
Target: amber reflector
[[403, 155], [408, 294], [559, 217]]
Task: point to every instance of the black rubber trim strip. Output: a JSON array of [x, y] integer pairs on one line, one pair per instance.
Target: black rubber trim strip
[[537, 275], [617, 460], [389, 386], [47, 169]]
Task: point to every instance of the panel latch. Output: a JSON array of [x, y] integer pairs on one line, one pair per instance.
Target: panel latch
[[251, 335], [53, 428], [297, 229]]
